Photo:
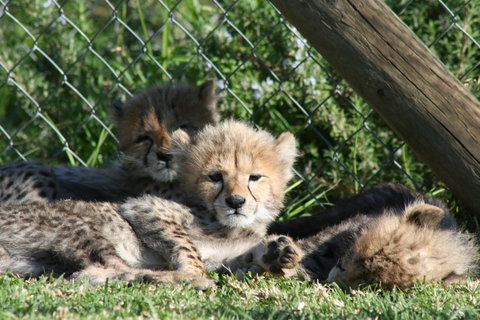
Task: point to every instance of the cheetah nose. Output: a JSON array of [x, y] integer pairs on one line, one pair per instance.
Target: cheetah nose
[[235, 202], [164, 156]]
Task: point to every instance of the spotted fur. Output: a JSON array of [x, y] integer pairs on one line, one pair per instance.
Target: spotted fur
[[145, 125], [397, 250], [394, 248], [234, 177], [158, 239], [374, 201]]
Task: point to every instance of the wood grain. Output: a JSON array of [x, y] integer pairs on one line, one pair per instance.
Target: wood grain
[[398, 76]]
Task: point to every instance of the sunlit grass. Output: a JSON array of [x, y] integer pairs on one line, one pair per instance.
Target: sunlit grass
[[232, 299]]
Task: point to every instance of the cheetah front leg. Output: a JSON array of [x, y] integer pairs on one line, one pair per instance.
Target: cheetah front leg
[[161, 225], [277, 255], [114, 268], [101, 262]]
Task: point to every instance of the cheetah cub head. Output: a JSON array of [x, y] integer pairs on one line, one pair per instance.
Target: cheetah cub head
[[422, 244], [239, 172], [146, 122]]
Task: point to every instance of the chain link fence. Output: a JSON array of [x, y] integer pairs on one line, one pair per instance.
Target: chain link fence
[[61, 62]]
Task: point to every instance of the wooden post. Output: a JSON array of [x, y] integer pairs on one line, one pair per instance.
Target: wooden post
[[396, 74]]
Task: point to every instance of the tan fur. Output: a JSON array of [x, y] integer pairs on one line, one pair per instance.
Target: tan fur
[[398, 250], [395, 248], [371, 202], [239, 153], [152, 238], [228, 161], [277, 255], [145, 125], [147, 116], [80, 240]]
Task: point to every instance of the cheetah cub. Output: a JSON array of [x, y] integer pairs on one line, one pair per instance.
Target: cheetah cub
[[374, 201], [395, 248], [398, 250], [235, 178], [145, 125]]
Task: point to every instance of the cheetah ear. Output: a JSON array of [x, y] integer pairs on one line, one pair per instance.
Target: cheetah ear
[[180, 142], [115, 109], [207, 92], [286, 151], [426, 215]]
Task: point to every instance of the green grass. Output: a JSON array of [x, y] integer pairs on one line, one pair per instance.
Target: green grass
[[252, 299]]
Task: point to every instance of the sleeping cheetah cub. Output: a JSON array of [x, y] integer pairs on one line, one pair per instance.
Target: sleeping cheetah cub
[[235, 178], [398, 250], [145, 126], [395, 248], [374, 201]]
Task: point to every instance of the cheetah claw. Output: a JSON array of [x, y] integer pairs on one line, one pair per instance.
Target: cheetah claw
[[282, 254]]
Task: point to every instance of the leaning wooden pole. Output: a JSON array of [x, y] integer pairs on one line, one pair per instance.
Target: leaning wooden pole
[[396, 74]]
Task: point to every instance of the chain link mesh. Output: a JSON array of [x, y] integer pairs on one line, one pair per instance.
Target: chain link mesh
[[61, 62]]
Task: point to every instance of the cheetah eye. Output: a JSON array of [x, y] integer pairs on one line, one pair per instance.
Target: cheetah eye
[[216, 177], [144, 138], [255, 177], [184, 126]]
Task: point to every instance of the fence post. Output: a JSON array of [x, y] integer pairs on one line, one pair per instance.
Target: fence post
[[396, 74]]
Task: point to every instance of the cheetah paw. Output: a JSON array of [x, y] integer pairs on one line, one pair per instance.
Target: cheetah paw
[[282, 254]]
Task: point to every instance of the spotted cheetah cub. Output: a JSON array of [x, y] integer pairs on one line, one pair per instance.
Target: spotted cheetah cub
[[395, 248], [399, 250], [145, 125], [235, 178]]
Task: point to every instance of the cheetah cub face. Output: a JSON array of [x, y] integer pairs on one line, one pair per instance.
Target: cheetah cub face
[[398, 250], [147, 122], [238, 172]]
